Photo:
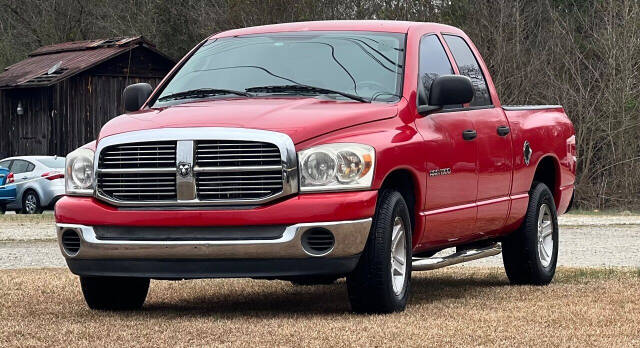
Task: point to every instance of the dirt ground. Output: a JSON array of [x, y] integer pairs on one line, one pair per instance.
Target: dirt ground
[[456, 306]]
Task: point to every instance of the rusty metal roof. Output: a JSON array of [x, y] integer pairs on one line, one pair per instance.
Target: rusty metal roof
[[50, 64]]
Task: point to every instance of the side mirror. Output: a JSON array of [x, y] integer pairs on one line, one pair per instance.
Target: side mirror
[[135, 95], [446, 90]]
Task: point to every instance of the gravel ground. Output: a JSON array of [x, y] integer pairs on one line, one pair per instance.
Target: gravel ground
[[585, 241], [591, 246], [32, 254]]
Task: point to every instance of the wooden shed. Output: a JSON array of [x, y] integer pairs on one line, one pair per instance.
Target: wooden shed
[[60, 96]]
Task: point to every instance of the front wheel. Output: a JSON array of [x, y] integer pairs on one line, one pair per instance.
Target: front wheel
[[114, 293], [380, 282], [530, 254]]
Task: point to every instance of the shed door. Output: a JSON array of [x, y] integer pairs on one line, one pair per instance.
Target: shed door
[[30, 132]]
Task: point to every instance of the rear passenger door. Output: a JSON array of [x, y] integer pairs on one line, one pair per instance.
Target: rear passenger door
[[450, 210], [495, 153]]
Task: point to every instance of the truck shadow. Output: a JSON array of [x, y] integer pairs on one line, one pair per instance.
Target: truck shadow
[[285, 300]]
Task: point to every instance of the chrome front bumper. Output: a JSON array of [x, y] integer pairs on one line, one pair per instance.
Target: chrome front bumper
[[350, 239]]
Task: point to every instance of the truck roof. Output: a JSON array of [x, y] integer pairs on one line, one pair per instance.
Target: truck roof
[[363, 25]]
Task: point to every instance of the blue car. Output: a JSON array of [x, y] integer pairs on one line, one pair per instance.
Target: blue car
[[7, 189]]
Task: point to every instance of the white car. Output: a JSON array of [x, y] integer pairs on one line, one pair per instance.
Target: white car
[[39, 182]]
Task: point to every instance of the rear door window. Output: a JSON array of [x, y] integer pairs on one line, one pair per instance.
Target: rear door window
[[468, 66], [19, 166]]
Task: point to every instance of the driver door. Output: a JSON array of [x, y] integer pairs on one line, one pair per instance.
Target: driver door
[[452, 180]]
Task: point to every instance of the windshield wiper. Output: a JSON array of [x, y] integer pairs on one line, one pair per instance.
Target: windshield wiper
[[202, 93], [305, 89]]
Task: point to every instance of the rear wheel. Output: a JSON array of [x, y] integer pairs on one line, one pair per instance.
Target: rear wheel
[[530, 254], [114, 293], [3, 209], [380, 282], [31, 203]]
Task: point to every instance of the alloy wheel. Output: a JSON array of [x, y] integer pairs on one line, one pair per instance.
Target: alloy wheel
[[398, 256], [545, 235], [30, 203]]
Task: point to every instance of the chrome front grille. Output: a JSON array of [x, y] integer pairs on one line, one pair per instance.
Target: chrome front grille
[[225, 153], [139, 155], [195, 166], [122, 176], [237, 170], [240, 186], [138, 186]]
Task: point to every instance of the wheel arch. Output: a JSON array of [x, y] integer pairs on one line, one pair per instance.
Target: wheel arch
[[30, 189], [548, 173], [406, 182]]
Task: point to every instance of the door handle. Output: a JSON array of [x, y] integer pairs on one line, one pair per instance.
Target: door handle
[[503, 130], [469, 134]]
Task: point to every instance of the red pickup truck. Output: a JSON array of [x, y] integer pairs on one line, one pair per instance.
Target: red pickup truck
[[313, 151]]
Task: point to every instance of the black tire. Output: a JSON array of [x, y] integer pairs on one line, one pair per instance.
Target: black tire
[[3, 209], [370, 285], [522, 260], [314, 280], [114, 293], [31, 197]]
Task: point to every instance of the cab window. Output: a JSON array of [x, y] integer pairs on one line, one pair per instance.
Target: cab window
[[468, 66], [433, 63]]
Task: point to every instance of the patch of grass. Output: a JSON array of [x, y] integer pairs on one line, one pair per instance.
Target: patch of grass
[[582, 275], [461, 306]]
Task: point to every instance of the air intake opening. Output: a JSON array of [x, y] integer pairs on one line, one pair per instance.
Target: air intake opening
[[318, 241], [70, 242]]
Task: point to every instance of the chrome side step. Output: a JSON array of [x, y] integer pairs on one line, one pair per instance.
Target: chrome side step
[[429, 263]]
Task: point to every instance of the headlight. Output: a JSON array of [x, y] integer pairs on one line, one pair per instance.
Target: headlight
[[333, 167], [79, 173]]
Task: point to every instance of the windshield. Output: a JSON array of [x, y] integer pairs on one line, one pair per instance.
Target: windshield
[[57, 162], [364, 64]]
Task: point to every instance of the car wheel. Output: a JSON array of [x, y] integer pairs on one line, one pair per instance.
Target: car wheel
[[31, 203], [114, 293], [3, 209], [530, 253], [380, 283]]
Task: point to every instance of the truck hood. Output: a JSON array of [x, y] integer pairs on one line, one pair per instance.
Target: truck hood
[[300, 118]]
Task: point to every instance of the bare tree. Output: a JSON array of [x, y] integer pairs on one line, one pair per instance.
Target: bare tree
[[583, 54]]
